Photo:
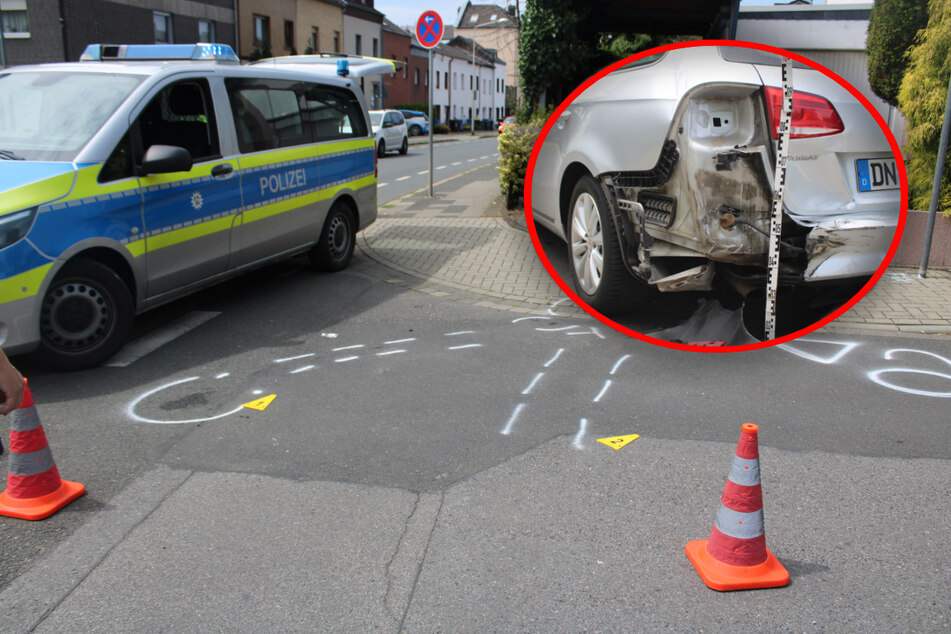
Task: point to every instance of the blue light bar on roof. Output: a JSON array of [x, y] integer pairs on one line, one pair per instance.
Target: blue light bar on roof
[[158, 52]]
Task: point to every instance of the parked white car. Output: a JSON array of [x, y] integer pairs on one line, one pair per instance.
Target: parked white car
[[389, 126], [660, 176]]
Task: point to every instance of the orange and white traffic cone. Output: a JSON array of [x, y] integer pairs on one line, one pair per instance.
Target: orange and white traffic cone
[[34, 488], [735, 557]]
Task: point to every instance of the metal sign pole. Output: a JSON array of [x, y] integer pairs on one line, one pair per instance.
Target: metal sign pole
[[936, 187], [431, 123]]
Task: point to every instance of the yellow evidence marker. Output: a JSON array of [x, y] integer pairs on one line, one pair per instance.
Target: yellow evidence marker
[[260, 404], [616, 442]]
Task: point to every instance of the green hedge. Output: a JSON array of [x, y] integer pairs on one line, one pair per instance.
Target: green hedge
[[515, 148]]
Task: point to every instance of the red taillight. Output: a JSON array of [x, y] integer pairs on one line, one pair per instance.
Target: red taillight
[[812, 115]]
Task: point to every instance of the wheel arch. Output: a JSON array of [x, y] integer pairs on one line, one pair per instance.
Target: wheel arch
[[573, 173]]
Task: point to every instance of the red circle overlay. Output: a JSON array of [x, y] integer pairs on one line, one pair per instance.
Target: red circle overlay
[[896, 151]]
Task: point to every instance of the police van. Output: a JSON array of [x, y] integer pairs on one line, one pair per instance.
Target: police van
[[143, 173]]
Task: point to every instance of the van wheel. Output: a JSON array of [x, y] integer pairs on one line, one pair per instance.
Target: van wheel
[[86, 316], [405, 146], [334, 249], [598, 273], [381, 149]]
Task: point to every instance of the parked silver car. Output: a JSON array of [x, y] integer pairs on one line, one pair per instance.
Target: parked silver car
[[660, 176]]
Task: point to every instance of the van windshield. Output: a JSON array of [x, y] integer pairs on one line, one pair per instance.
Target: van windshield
[[51, 115]]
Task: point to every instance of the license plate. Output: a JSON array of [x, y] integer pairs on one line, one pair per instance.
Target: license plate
[[876, 174]]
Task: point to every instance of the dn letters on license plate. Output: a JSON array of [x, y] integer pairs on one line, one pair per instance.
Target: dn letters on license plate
[[875, 174]]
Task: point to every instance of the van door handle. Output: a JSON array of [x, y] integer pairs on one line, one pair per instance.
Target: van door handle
[[222, 169]]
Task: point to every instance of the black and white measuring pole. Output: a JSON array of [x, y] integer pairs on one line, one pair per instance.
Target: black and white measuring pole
[[779, 184]]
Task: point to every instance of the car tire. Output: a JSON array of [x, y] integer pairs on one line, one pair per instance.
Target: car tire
[[415, 130], [405, 147], [594, 255], [334, 248], [86, 315], [381, 149]]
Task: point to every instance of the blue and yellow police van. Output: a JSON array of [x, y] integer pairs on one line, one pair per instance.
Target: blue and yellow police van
[[145, 172]]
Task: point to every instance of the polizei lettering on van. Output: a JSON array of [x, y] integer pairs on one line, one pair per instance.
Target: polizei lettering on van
[[284, 181]]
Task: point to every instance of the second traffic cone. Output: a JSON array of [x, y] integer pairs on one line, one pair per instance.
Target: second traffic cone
[[735, 557], [34, 488]]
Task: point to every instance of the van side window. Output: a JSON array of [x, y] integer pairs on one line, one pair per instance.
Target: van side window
[[119, 163], [270, 114], [332, 113], [181, 115]]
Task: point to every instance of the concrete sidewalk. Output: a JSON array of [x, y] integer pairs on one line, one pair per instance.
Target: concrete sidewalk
[[458, 245]]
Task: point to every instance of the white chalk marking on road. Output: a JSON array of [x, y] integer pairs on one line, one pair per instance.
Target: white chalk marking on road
[[345, 359], [582, 428], [396, 341], [223, 375], [303, 369], [532, 384], [300, 356], [592, 331], [468, 345], [388, 352], [508, 426], [130, 410], [554, 304], [460, 332], [402, 178], [554, 358], [359, 345], [137, 349], [329, 335], [515, 321], [556, 329], [256, 392], [847, 347], [603, 391], [619, 362]]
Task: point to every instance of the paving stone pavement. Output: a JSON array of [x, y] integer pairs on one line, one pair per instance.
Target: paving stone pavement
[[457, 245]]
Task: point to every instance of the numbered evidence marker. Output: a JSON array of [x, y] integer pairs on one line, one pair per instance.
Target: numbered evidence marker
[[260, 404], [616, 442]]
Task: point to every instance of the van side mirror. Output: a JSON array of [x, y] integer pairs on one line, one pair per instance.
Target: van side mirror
[[165, 159]]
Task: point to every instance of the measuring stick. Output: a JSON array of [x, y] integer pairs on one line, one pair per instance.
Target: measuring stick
[[779, 184]]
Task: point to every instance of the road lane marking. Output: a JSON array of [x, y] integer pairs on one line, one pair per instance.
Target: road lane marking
[[345, 359], [441, 167], [303, 369], [508, 426], [300, 356], [402, 178], [468, 345], [396, 341], [359, 345], [388, 352], [457, 163], [423, 172], [532, 384], [151, 342], [460, 332]]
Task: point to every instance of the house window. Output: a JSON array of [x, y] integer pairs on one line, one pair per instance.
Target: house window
[[416, 77], [445, 79], [405, 66], [206, 31], [289, 34], [437, 81], [455, 83], [376, 45], [262, 31], [471, 82], [314, 39], [162, 23], [336, 41], [14, 20], [359, 44], [426, 81]]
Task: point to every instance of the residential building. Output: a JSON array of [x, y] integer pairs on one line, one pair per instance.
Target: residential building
[[267, 28], [37, 31], [397, 88], [470, 82], [495, 27], [319, 26]]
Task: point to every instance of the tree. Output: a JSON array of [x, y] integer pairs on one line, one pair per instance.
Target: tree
[[892, 28], [922, 98]]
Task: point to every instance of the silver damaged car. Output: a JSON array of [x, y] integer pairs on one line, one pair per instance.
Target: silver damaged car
[[660, 176]]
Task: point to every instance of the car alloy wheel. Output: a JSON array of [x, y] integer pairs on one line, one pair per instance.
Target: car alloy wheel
[[587, 243]]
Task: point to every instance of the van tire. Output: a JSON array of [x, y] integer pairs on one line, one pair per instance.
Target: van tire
[[381, 149], [334, 249], [86, 316], [594, 238]]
